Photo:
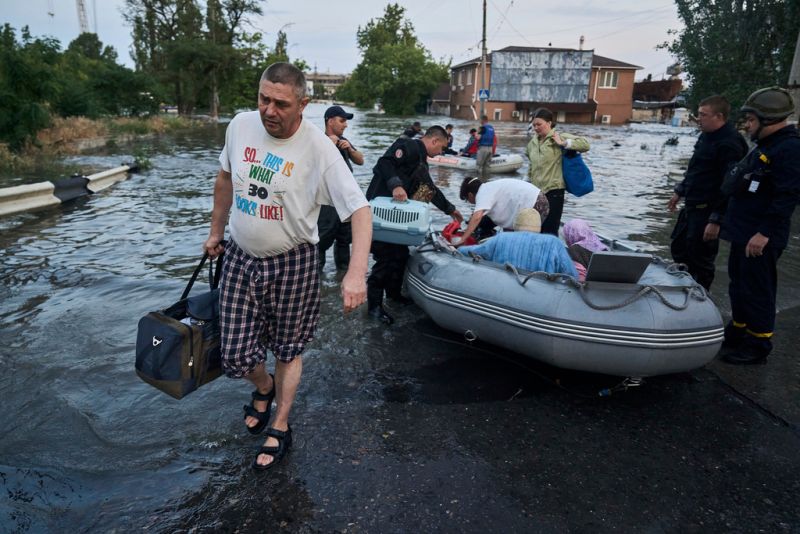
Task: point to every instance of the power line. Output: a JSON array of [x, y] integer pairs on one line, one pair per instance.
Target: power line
[[511, 25], [600, 22]]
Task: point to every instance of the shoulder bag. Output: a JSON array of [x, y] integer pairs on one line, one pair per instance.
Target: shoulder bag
[[577, 176], [177, 348]]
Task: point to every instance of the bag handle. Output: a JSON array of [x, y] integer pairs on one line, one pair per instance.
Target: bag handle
[[213, 277]]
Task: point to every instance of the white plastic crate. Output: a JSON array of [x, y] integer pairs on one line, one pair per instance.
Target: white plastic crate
[[402, 223]]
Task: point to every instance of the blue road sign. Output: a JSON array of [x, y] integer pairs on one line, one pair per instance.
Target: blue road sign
[[483, 94]]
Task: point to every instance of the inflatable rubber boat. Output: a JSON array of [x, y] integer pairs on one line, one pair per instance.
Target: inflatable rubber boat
[[500, 163], [662, 323]]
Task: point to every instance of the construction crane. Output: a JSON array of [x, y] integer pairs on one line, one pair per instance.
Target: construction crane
[[84, 22]]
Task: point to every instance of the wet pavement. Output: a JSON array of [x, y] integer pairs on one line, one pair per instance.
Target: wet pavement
[[426, 433], [400, 429]]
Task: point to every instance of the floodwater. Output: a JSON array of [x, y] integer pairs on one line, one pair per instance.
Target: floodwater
[[86, 446]]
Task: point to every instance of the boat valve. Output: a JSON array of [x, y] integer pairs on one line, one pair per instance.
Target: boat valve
[[470, 336]]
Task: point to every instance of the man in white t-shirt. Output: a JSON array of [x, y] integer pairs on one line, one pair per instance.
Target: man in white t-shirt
[[277, 169], [498, 202]]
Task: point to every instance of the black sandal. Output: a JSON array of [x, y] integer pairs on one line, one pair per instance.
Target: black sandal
[[263, 417], [277, 453]]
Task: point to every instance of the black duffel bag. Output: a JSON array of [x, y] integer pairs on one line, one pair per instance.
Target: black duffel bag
[[177, 349]]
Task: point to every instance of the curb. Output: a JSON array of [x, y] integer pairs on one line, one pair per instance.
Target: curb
[[44, 194]]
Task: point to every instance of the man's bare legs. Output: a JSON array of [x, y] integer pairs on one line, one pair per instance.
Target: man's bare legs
[[287, 380], [263, 382]]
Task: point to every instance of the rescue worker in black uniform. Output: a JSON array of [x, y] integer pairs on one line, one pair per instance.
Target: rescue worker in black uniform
[[402, 173], [695, 238], [764, 189]]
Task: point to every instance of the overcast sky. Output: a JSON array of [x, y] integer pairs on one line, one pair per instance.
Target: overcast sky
[[323, 32]]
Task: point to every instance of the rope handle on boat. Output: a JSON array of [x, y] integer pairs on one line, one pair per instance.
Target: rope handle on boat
[[695, 290]]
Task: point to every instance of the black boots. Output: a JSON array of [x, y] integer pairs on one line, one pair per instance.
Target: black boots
[[377, 312], [742, 348]]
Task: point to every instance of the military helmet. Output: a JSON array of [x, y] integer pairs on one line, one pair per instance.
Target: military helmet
[[770, 105]]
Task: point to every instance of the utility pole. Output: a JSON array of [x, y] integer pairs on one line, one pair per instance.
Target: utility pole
[[82, 20], [794, 79], [483, 62]]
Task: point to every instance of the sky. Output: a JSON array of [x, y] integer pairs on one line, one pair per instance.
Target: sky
[[323, 32]]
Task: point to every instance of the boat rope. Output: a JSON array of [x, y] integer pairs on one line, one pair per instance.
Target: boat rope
[[694, 291]]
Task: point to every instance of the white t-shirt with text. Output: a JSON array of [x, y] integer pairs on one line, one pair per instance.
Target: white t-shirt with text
[[279, 185]]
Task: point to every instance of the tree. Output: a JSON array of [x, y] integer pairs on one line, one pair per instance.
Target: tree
[[395, 68], [199, 56], [90, 83], [733, 47], [27, 82]]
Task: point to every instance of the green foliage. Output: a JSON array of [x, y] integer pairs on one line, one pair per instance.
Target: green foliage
[[141, 159], [733, 47], [37, 80], [202, 57], [92, 84], [26, 84], [395, 68]]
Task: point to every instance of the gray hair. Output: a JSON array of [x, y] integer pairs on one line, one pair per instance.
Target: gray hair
[[287, 74]]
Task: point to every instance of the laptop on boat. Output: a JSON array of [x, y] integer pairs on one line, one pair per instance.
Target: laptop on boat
[[618, 267]]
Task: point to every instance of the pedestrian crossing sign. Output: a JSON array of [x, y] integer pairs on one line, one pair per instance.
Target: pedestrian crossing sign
[[483, 94]]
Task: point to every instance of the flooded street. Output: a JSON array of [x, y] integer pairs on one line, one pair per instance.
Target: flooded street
[[399, 429]]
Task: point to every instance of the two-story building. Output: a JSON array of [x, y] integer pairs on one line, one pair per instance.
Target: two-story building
[[330, 83], [577, 85]]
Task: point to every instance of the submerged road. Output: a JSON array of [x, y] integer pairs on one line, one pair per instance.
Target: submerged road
[[403, 429], [426, 433]]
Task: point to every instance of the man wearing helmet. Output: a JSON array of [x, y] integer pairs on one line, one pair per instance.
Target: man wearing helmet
[[764, 188]]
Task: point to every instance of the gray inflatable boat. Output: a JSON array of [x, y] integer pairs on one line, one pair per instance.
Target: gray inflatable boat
[[663, 323]]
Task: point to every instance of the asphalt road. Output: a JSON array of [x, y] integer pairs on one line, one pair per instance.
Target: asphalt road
[[409, 429]]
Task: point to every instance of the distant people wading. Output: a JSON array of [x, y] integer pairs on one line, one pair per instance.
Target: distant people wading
[[764, 189], [331, 228], [486, 144], [413, 131], [695, 237], [544, 152], [277, 169], [402, 173]]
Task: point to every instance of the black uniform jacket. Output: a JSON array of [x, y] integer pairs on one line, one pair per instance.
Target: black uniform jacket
[[765, 188], [405, 164], [714, 155]]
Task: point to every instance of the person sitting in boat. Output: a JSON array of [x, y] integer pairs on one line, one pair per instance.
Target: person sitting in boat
[[449, 148], [525, 248], [497, 204], [581, 241], [472, 145]]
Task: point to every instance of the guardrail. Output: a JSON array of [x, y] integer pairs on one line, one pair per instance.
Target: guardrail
[[43, 194]]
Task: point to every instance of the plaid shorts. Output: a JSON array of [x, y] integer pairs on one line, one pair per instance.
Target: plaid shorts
[[265, 303]]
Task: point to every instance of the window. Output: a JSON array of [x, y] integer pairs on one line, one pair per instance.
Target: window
[[605, 119], [497, 114], [461, 77], [608, 79], [561, 117], [469, 77]]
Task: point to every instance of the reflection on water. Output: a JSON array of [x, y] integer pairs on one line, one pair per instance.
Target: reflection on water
[[85, 443]]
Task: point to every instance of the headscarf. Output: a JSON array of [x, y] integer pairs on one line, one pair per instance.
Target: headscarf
[[578, 232]]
